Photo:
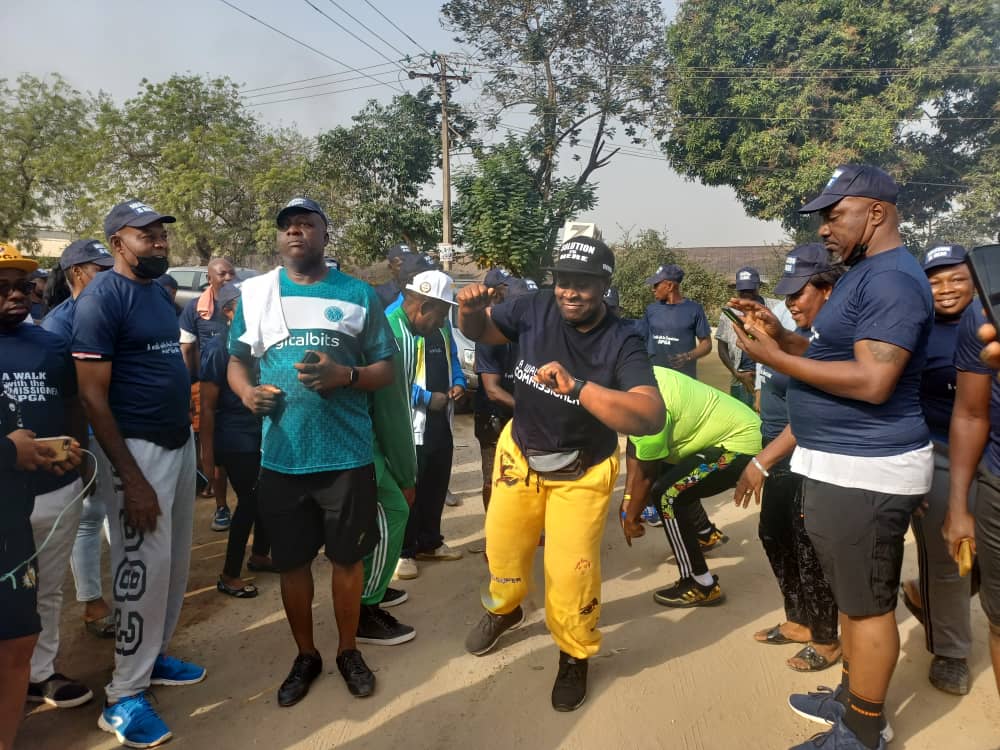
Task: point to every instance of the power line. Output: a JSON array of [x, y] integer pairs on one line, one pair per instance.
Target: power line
[[341, 26], [391, 23], [366, 28], [314, 96], [303, 44], [314, 78], [318, 85]]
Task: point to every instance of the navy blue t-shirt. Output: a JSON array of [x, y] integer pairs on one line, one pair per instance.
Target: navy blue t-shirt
[[205, 330], [237, 430], [60, 320], [773, 398], [438, 381], [937, 382], [608, 355], [495, 359], [38, 379], [967, 348], [18, 488], [133, 326], [884, 298], [674, 329]]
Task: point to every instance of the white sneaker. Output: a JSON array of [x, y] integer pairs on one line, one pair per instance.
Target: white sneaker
[[406, 568], [452, 499], [444, 552]]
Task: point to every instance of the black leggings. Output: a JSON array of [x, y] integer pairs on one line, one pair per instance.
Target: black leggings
[[243, 469], [678, 492], [807, 595]]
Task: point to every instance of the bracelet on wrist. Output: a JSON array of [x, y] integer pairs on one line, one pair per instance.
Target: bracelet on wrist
[[577, 387], [760, 467]]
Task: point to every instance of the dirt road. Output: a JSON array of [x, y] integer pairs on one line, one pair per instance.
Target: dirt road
[[682, 680]]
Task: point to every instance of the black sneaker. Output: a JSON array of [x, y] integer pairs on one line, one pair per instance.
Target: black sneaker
[[950, 675], [570, 688], [359, 678], [59, 691], [378, 626], [392, 597], [687, 592], [489, 629], [305, 669]]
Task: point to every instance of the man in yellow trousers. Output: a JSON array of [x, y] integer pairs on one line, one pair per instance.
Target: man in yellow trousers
[[581, 378]]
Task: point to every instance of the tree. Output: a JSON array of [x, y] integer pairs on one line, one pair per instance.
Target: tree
[[384, 161], [500, 213], [767, 96], [582, 68], [46, 135]]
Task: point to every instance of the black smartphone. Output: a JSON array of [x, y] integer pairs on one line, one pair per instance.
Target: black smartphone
[[984, 263], [737, 319], [310, 358]]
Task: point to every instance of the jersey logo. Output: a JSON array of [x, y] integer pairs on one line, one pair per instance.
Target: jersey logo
[[334, 314]]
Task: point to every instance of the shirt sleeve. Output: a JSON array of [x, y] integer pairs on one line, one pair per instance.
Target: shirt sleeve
[[507, 315], [722, 330], [457, 376], [633, 368], [236, 329], [488, 359], [95, 327], [701, 328], [968, 345], [213, 363], [188, 321], [377, 340], [889, 310]]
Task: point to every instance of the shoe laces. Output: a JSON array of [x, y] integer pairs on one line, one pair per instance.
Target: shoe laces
[[383, 618], [138, 706], [354, 662], [568, 669]]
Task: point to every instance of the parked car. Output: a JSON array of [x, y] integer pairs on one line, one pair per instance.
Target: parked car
[[193, 280]]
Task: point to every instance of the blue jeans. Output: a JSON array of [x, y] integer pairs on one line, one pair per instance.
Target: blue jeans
[[85, 561]]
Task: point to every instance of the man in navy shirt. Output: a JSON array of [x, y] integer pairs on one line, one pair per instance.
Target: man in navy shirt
[[676, 329], [136, 391], [390, 290], [863, 445], [740, 366]]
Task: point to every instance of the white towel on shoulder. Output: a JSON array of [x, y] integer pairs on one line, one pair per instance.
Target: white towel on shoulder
[[260, 297]]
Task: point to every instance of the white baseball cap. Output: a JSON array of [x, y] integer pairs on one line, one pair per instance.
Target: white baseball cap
[[434, 284]]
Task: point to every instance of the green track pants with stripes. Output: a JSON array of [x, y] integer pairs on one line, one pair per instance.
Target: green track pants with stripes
[[393, 513]]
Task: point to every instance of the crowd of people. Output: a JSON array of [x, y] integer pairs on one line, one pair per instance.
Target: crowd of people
[[860, 405]]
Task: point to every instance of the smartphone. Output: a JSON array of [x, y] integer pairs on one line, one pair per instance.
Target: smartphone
[[310, 358], [60, 445], [737, 319], [984, 263]]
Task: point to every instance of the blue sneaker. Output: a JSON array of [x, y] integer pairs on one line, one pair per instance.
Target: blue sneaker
[[171, 671], [650, 516], [134, 722], [221, 520], [838, 738], [823, 707]]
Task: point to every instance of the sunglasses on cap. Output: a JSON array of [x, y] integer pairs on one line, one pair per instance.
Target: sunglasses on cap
[[24, 286]]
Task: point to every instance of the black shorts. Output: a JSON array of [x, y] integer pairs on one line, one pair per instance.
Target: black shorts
[[988, 544], [303, 513], [858, 536], [19, 591]]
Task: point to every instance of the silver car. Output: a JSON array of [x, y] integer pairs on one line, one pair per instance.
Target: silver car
[[193, 280]]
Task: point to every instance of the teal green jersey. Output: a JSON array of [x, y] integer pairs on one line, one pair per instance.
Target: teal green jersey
[[342, 317]]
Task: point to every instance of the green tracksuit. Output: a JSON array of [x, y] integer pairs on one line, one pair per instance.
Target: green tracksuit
[[395, 467]]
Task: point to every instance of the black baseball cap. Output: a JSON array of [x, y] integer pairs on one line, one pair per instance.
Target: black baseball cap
[[226, 294], [496, 277], [859, 180], [669, 272], [584, 255], [396, 251], [943, 255], [297, 206], [85, 251], [747, 279], [413, 263], [516, 287], [133, 213], [801, 264]]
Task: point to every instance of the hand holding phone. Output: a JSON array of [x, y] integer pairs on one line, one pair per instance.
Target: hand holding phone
[[737, 319], [984, 263], [58, 445]]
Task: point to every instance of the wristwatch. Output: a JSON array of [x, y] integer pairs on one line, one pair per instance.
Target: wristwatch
[[577, 387], [354, 377]]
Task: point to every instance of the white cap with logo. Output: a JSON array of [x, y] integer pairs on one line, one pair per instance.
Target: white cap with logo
[[434, 284]]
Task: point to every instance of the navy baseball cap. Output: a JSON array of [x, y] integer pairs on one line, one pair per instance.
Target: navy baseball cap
[[944, 255], [669, 272], [226, 294], [801, 264], [133, 213], [85, 251], [611, 297], [396, 251], [860, 180], [297, 206], [413, 263], [496, 277], [747, 279], [516, 287]]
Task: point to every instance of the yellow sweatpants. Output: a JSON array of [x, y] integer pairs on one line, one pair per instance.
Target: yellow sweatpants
[[573, 516]]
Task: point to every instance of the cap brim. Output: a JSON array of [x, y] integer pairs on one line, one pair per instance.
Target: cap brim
[[104, 261], [289, 210], [144, 220], [24, 264], [581, 271], [746, 286], [941, 263], [790, 285], [823, 200]]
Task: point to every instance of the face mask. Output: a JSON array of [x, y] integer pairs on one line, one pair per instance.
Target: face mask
[[151, 267], [857, 254]]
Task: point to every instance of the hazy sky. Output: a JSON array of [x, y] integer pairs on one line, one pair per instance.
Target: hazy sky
[[111, 45]]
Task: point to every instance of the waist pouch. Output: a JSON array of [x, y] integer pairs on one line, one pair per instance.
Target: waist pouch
[[564, 466]]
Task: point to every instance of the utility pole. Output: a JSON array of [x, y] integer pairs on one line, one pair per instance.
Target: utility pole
[[445, 248]]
